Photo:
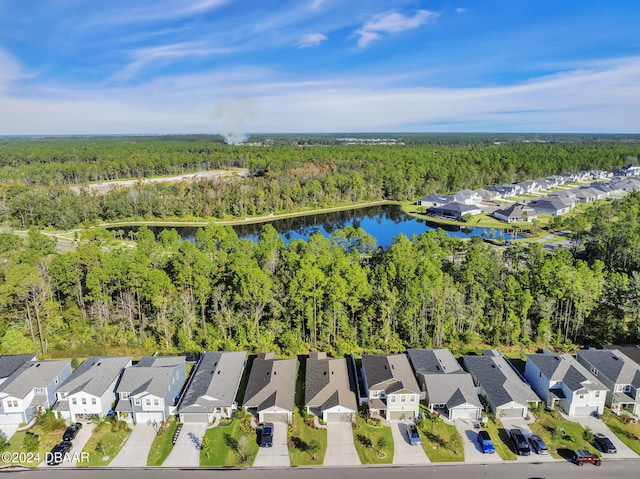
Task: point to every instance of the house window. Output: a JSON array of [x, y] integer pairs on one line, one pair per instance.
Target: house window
[[124, 395], [84, 401], [597, 394], [62, 395], [74, 401], [581, 396], [12, 403], [413, 398], [148, 402], [93, 401], [393, 398], [403, 398], [156, 402], [594, 371], [136, 401]]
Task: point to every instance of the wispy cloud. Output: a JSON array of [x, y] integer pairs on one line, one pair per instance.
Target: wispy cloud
[[461, 10], [311, 40], [391, 22]]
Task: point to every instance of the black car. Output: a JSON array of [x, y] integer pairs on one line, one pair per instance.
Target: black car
[[519, 442], [538, 445], [58, 453], [604, 443], [266, 435], [72, 432]]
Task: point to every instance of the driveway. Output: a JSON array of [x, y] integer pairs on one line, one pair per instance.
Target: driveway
[[186, 452], [512, 423], [403, 451], [596, 425], [8, 430], [472, 451], [340, 448], [278, 454], [135, 451], [78, 443]]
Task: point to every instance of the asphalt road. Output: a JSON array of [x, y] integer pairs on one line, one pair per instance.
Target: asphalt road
[[510, 470]]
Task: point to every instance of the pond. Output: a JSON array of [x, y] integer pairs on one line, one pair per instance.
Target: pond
[[383, 222]]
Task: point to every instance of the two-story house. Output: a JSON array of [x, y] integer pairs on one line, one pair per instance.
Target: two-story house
[[618, 373], [213, 387], [561, 380], [31, 389], [9, 364], [446, 387], [393, 392], [148, 391], [502, 386], [90, 390]]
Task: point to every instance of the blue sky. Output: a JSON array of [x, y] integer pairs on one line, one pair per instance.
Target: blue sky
[[239, 66]]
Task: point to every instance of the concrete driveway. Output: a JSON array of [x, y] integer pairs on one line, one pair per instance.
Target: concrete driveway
[[403, 452], [186, 452], [278, 454], [521, 424], [596, 425], [135, 451], [472, 451], [340, 448], [8, 430]]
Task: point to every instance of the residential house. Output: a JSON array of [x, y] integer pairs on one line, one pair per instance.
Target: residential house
[[446, 387], [550, 206], [329, 391], [618, 373], [555, 181], [512, 190], [628, 185], [148, 390], [90, 390], [606, 188], [487, 195], [559, 379], [212, 387], [467, 197], [529, 186], [586, 195], [10, 364], [632, 351], [435, 200], [271, 388], [31, 390], [502, 386], [454, 211], [392, 389], [516, 213]]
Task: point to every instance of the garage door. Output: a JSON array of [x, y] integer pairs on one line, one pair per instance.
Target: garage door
[[195, 418], [464, 413], [585, 410], [400, 415], [338, 417], [511, 412], [142, 417], [10, 419], [275, 417]]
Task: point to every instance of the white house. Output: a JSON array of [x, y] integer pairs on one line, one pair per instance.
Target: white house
[[30, 390], [562, 381], [90, 390]]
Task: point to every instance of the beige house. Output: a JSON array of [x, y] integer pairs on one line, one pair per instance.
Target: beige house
[[271, 388], [328, 391]]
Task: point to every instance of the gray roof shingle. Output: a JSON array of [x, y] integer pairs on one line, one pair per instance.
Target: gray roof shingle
[[272, 382], [613, 365], [214, 383], [151, 375], [391, 373], [567, 369], [94, 375], [9, 364], [327, 384], [32, 374]]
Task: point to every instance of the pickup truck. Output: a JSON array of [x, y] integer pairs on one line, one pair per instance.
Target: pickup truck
[[485, 442], [581, 456]]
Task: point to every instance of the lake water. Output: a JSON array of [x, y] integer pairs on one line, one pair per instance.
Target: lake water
[[383, 222]]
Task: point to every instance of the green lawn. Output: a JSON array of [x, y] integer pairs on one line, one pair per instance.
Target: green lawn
[[548, 426], [440, 441], [300, 439], [47, 439], [226, 446], [162, 446], [105, 444], [500, 439], [366, 439], [627, 433]]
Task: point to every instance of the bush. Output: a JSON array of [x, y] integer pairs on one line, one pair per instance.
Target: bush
[[49, 422], [31, 442], [119, 425]]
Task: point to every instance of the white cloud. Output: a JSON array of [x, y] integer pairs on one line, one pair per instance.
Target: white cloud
[[311, 40], [461, 10], [391, 22]]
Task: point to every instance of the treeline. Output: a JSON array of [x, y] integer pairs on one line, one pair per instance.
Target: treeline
[[339, 294], [37, 175]]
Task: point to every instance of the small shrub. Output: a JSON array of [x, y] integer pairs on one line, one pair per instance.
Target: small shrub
[[31, 442]]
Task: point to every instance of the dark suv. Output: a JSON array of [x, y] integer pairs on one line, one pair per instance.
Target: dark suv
[[72, 432], [266, 435], [519, 442], [604, 443], [581, 456]]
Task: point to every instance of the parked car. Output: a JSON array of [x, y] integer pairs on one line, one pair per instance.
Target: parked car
[[538, 445], [485, 442], [581, 456], [59, 451], [414, 435], [604, 443], [266, 435], [72, 432], [520, 445]]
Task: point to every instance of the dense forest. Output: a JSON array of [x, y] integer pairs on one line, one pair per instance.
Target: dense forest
[[36, 174], [340, 294]]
